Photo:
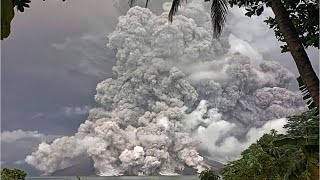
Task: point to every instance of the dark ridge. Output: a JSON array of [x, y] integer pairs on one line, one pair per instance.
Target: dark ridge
[[83, 168]]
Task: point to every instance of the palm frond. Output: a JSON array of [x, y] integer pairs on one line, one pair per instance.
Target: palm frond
[[174, 8], [305, 93], [296, 169], [219, 10], [147, 2], [131, 2], [297, 141]]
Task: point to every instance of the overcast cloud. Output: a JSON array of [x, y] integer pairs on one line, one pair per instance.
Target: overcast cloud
[[17, 144]]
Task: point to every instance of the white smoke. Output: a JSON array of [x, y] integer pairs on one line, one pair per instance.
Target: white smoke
[[175, 92], [216, 136]]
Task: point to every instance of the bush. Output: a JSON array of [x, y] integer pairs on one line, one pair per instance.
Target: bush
[[208, 175], [13, 174]]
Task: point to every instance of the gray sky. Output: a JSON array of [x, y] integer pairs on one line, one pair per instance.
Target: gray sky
[[56, 54], [54, 60], [50, 65]]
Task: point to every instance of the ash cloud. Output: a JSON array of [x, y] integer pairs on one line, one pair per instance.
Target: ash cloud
[[173, 87]]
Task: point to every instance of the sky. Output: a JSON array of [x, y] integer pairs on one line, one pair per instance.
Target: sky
[[55, 56]]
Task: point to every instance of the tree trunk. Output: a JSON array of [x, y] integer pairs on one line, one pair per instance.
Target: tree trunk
[[296, 49], [312, 154]]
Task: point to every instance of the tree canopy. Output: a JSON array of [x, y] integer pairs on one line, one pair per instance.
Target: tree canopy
[[13, 174], [262, 160], [278, 156]]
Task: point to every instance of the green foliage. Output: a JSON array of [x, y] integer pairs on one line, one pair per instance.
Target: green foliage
[[21, 4], [13, 174], [305, 124], [304, 14], [306, 94], [7, 15], [208, 175], [303, 132], [277, 156], [263, 160]]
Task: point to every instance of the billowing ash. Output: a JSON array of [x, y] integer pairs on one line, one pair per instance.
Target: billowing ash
[[175, 92]]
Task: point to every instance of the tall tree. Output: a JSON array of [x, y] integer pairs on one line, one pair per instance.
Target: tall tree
[[297, 50], [219, 11]]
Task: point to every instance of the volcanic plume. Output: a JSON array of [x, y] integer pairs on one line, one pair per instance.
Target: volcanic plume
[[176, 94]]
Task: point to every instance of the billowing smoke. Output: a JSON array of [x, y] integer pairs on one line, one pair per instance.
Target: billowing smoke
[[176, 94]]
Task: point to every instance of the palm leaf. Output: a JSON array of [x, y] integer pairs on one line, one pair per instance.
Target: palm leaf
[[219, 11], [297, 141], [296, 169], [174, 8], [147, 2], [305, 93]]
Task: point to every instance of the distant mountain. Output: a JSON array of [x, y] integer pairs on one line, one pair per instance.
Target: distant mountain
[[85, 167], [215, 165]]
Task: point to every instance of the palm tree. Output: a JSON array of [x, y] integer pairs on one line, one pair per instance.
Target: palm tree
[[219, 10]]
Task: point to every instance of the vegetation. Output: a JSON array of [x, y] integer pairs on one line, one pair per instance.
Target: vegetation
[[21, 4], [13, 174], [7, 15], [208, 175], [305, 124], [303, 132], [277, 156], [262, 160]]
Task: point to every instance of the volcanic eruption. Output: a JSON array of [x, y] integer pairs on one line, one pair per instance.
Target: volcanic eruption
[[176, 95]]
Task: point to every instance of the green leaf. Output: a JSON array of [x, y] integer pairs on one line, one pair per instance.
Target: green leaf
[[298, 141], [7, 14]]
